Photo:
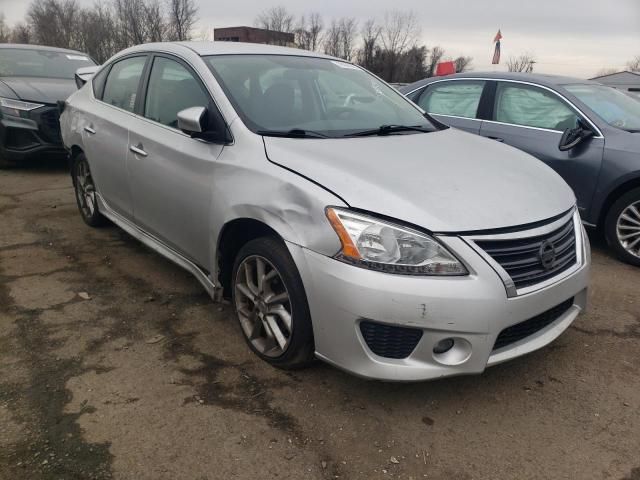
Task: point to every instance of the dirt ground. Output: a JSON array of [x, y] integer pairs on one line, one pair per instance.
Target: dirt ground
[[115, 364]]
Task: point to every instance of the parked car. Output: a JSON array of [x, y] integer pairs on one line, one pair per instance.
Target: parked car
[[32, 80], [589, 133], [341, 221]]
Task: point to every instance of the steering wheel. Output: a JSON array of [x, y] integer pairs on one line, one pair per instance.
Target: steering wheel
[[349, 99]]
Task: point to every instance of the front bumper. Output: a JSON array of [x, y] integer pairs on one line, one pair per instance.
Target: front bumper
[[35, 135], [472, 310]]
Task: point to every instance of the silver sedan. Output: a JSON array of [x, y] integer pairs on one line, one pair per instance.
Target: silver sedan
[[342, 221]]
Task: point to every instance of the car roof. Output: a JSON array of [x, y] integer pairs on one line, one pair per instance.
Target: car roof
[[29, 46], [229, 48], [537, 78]]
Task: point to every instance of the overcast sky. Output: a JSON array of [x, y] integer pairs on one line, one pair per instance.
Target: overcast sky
[[572, 37]]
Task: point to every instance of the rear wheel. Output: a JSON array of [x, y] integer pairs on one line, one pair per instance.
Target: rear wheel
[[271, 304], [86, 192], [622, 227]]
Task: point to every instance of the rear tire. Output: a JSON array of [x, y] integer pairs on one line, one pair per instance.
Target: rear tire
[[271, 304], [85, 191], [622, 227]]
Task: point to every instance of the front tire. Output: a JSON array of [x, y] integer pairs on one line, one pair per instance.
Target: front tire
[[622, 227], [85, 190], [271, 304]]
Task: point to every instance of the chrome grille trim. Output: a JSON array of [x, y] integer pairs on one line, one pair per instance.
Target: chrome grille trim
[[512, 290]]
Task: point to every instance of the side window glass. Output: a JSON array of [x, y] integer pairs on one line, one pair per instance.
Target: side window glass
[[531, 106], [459, 98], [172, 88], [121, 87]]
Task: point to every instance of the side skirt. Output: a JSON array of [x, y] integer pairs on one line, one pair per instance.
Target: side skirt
[[159, 247]]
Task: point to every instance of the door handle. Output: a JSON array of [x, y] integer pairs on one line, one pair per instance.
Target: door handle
[[138, 150], [90, 130], [497, 139]]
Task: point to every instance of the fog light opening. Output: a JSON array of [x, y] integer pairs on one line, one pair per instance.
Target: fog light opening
[[443, 346]]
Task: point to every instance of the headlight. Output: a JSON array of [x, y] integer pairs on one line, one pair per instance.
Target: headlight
[[14, 108], [378, 245]]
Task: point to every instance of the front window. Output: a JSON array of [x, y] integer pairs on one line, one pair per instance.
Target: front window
[[332, 98], [172, 88], [459, 98], [613, 106], [26, 62], [530, 106]]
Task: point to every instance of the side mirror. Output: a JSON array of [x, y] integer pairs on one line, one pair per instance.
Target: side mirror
[[200, 122], [572, 137], [84, 74], [192, 120]]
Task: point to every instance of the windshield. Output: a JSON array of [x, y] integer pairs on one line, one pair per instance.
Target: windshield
[[321, 96], [23, 62], [615, 108]]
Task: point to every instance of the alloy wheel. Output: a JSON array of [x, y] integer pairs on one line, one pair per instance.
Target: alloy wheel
[[628, 229], [85, 189], [263, 305]]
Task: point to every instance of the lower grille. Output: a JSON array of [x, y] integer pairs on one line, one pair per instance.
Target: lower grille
[[522, 330], [532, 260], [390, 341]]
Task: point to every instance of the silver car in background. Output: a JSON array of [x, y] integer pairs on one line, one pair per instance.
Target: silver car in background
[[342, 222]]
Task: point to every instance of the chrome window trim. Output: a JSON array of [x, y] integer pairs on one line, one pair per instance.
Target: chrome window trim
[[510, 287], [558, 94]]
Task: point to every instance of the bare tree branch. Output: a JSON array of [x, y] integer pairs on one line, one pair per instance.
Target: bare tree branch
[[634, 64], [522, 63], [182, 16], [463, 64]]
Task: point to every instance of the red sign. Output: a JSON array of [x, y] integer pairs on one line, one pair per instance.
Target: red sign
[[445, 68]]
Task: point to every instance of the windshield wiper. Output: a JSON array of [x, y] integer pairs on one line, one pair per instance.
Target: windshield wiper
[[387, 130], [293, 133]]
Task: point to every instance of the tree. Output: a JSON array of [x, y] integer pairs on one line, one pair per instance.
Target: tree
[[634, 64], [53, 22], [277, 19], [5, 31], [21, 33], [308, 35], [435, 57], [348, 32], [522, 63], [463, 64], [399, 32], [414, 64], [182, 16], [370, 33]]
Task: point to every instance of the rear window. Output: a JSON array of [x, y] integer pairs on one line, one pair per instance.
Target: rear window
[[26, 62]]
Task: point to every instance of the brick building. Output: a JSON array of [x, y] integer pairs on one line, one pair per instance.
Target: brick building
[[253, 35]]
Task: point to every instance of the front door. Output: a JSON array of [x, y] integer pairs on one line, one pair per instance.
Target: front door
[[533, 119], [171, 173]]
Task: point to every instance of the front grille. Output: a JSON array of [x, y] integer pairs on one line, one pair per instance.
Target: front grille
[[523, 258], [522, 330], [49, 123], [388, 340]]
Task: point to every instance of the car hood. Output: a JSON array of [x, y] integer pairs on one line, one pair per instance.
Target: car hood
[[446, 181], [42, 90]]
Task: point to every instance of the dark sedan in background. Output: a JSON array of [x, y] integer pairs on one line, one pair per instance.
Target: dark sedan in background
[[32, 80], [589, 133]]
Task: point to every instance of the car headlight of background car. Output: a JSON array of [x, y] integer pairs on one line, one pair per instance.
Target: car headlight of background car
[[16, 108], [379, 245]]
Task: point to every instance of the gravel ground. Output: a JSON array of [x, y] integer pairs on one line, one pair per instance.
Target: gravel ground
[[115, 364]]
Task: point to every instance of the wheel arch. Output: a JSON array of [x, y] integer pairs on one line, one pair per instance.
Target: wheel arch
[[624, 187], [233, 236]]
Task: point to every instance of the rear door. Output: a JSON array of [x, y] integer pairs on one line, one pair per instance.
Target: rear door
[[171, 173], [533, 118], [454, 102], [106, 130]]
